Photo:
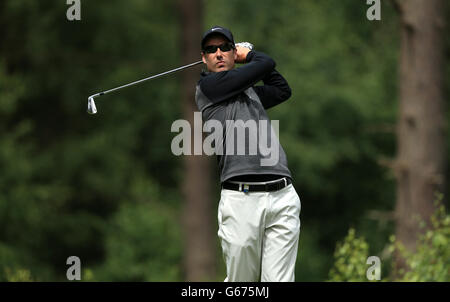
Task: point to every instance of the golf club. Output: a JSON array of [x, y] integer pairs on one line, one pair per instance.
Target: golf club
[[92, 109]]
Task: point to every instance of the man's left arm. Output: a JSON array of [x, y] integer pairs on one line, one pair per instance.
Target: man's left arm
[[274, 91]]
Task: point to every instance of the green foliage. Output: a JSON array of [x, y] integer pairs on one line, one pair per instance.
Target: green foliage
[[21, 275], [430, 262], [312, 260], [143, 244], [64, 174], [350, 259]]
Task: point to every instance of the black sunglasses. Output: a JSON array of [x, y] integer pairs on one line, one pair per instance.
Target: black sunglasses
[[223, 47]]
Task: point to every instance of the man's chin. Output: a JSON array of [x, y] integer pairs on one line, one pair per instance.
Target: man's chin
[[221, 68]]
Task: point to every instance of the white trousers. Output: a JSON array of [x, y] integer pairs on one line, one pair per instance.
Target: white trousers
[[259, 234]]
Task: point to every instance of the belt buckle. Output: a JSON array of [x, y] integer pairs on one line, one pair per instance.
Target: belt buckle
[[244, 187]]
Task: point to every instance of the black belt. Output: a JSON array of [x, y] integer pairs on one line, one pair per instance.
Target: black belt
[[268, 186]]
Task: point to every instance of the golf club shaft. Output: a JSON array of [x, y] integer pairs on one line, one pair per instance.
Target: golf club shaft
[[146, 79]]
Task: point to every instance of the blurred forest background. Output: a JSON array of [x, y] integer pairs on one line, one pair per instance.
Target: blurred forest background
[[108, 189]]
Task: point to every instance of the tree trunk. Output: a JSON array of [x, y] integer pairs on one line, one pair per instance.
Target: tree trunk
[[199, 236], [421, 153]]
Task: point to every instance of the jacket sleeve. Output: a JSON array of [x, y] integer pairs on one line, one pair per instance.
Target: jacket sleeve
[[220, 86], [274, 91]]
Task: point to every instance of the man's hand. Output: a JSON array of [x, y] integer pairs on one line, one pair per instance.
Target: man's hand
[[242, 50]]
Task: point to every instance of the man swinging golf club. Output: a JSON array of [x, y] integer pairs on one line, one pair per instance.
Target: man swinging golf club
[[259, 209]]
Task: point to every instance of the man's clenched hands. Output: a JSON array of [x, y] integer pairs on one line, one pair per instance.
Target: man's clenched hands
[[242, 50]]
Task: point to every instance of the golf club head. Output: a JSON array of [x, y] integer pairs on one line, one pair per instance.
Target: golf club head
[[91, 106]]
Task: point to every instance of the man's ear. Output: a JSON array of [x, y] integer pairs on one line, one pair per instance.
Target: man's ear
[[235, 54], [203, 57]]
